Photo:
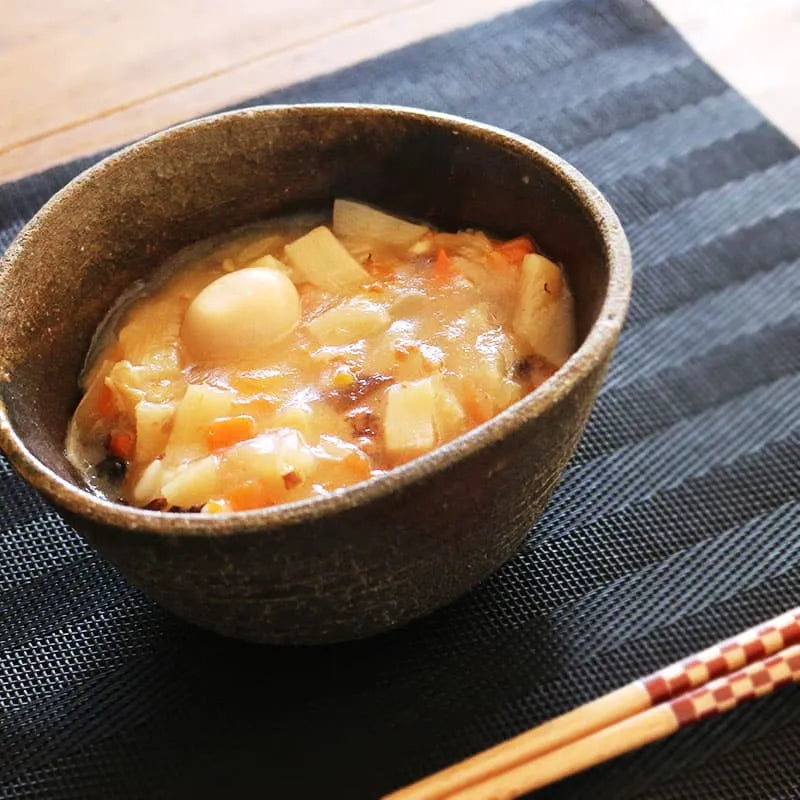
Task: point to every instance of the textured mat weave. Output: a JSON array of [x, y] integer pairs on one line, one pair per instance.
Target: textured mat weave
[[676, 523]]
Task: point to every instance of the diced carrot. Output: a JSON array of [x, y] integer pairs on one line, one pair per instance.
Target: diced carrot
[[256, 384], [442, 265], [475, 413], [105, 401], [403, 350], [514, 250], [226, 431], [259, 404], [250, 494], [291, 480], [122, 444], [358, 464]]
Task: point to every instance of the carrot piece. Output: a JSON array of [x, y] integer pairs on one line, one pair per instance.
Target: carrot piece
[[475, 413], [514, 250], [258, 404], [122, 444], [226, 431], [403, 350], [105, 401], [442, 265], [248, 495], [291, 480], [357, 464]]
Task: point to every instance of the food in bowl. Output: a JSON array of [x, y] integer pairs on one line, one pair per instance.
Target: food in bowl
[[378, 554], [300, 356]]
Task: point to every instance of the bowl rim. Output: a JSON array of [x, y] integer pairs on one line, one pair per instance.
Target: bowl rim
[[599, 343]]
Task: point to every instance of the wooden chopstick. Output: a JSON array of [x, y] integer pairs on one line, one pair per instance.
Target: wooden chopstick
[[716, 697], [619, 719]]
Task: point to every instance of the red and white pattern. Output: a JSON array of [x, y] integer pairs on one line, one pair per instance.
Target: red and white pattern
[[722, 658], [753, 681]]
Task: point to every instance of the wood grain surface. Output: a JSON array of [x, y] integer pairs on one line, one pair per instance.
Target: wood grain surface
[[80, 75]]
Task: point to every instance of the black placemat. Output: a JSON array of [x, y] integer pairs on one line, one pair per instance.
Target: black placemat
[[675, 524]]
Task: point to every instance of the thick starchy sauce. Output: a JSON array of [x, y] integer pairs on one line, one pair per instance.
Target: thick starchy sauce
[[288, 360]]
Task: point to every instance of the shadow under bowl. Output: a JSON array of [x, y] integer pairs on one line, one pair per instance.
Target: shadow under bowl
[[365, 558]]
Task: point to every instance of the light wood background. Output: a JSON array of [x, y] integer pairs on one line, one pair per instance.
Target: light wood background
[[77, 76]]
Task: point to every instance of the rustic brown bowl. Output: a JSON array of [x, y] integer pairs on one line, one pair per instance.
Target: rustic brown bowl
[[366, 558]]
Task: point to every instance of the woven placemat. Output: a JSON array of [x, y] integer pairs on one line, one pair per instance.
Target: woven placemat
[[675, 524]]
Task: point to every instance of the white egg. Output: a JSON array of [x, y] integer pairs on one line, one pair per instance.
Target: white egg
[[240, 314]]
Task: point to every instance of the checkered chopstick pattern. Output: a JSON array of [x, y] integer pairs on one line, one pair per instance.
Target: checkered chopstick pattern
[[723, 694], [627, 719], [751, 664], [724, 658]]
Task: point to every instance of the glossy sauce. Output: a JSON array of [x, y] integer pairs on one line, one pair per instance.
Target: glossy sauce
[[289, 360]]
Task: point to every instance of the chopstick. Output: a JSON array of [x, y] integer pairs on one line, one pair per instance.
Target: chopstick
[[712, 681], [723, 694]]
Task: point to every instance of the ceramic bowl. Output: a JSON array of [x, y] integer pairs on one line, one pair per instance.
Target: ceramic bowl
[[368, 557]]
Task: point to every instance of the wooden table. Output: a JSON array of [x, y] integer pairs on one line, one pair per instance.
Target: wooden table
[[77, 76]]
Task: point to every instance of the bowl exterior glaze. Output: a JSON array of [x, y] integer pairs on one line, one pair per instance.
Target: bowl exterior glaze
[[372, 556]]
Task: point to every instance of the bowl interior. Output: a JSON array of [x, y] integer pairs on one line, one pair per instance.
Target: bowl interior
[[117, 223]]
